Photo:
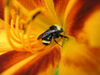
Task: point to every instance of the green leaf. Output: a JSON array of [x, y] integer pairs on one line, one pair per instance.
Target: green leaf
[[56, 73]]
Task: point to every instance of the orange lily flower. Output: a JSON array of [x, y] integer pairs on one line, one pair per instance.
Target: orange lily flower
[[22, 21]]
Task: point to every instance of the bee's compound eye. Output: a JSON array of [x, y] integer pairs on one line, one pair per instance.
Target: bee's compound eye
[[53, 27]]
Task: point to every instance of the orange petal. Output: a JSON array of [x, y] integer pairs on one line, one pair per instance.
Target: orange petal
[[60, 6], [44, 4], [42, 63], [10, 58], [81, 54], [79, 13], [91, 29], [2, 9], [79, 59], [83, 23], [31, 4]]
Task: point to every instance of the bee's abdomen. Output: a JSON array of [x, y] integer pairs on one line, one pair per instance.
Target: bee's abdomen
[[45, 42]]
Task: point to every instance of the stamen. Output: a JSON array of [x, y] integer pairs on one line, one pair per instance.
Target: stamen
[[17, 26], [28, 36], [13, 29], [9, 35], [34, 15], [6, 18], [15, 36]]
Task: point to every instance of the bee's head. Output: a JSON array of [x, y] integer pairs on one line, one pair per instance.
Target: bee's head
[[56, 27]]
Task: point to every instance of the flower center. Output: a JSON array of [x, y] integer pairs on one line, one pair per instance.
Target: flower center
[[19, 32]]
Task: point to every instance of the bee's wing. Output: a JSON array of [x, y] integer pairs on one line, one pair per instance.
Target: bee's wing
[[47, 39], [46, 33], [41, 35]]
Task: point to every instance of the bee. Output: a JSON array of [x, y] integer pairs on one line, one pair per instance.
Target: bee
[[52, 33]]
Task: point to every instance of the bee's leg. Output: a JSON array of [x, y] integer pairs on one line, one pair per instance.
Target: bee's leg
[[63, 36], [57, 42]]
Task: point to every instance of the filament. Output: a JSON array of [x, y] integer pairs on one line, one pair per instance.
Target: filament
[[21, 39]]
